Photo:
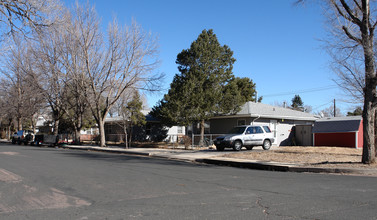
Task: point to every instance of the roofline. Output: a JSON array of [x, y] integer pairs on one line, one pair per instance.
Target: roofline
[[314, 118]]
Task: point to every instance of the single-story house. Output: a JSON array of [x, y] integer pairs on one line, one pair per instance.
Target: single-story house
[[281, 120], [151, 131], [339, 131]]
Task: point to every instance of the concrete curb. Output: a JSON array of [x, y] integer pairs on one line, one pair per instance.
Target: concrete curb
[[333, 170], [272, 166], [257, 165], [249, 165]]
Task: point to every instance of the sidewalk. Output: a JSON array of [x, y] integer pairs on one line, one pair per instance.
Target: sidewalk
[[216, 158]]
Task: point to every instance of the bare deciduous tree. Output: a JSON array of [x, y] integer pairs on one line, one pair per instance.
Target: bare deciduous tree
[[19, 16], [124, 59], [17, 86], [353, 49], [329, 112], [49, 73]]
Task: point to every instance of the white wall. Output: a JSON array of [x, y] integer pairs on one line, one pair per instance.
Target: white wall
[[174, 132]]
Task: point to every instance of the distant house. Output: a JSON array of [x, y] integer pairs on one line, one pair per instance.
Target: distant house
[[281, 120], [153, 130], [339, 131]]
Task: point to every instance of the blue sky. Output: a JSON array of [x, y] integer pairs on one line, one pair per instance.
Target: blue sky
[[275, 43]]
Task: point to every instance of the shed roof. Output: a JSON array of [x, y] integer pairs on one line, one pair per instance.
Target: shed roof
[[252, 109], [337, 124]]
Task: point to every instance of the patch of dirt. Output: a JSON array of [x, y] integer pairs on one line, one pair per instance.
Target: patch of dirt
[[334, 157]]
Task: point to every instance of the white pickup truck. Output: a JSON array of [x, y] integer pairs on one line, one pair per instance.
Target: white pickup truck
[[248, 136]]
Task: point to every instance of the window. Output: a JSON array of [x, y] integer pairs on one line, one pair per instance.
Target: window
[[267, 129], [254, 130], [180, 130], [251, 130], [148, 129], [258, 130], [241, 122]]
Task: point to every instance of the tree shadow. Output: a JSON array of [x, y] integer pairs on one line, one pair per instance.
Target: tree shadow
[[124, 158]]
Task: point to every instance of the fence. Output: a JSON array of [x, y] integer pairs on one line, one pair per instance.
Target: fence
[[208, 139], [179, 139], [117, 138], [121, 138]]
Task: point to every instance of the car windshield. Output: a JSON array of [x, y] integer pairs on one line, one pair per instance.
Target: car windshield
[[237, 130]]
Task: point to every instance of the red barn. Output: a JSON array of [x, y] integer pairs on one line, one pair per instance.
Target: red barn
[[339, 132]]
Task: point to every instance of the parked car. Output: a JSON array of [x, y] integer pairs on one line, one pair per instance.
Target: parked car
[[247, 136], [46, 139], [23, 136]]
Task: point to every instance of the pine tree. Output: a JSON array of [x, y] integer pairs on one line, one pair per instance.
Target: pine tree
[[135, 116], [205, 85], [297, 103]]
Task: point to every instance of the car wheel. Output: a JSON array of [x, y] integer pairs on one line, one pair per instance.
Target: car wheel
[[249, 147], [266, 144], [237, 145], [220, 148]]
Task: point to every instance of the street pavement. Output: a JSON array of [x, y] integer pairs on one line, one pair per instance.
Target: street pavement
[[56, 183], [210, 156]]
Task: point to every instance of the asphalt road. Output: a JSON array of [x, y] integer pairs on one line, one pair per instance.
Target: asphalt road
[[49, 183]]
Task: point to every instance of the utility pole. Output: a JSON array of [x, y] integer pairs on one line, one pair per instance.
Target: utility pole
[[334, 109]]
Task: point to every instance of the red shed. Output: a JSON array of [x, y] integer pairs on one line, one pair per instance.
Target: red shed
[[339, 132]]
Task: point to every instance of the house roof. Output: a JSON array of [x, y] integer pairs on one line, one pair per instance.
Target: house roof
[[252, 109], [145, 112], [337, 124]]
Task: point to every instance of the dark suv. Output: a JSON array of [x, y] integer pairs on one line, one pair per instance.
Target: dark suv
[[23, 136]]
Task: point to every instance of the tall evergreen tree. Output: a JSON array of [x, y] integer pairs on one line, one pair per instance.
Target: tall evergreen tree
[[246, 88], [205, 85], [297, 103]]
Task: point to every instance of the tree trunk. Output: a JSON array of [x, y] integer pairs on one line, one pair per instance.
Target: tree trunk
[[201, 142], [369, 150], [56, 127], [77, 136], [19, 124], [375, 132], [9, 134], [125, 135], [130, 139], [101, 125], [126, 141]]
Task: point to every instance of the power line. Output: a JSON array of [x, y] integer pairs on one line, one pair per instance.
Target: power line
[[323, 88], [319, 106]]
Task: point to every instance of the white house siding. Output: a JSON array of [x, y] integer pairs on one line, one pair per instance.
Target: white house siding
[[282, 129], [281, 120], [175, 133]]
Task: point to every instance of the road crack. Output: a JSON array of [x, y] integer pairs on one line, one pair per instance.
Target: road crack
[[262, 207]]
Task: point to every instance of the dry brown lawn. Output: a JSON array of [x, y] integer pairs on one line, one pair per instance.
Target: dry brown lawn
[[309, 156]]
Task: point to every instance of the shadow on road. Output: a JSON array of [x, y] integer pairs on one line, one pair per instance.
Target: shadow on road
[[123, 158]]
